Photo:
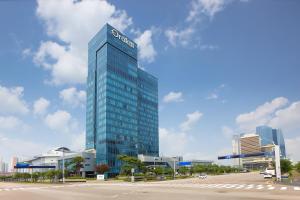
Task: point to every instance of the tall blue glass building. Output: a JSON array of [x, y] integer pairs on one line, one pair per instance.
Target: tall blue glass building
[[272, 136], [122, 100]]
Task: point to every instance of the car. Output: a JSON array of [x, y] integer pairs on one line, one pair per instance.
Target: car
[[270, 171], [244, 170], [202, 176], [267, 175]]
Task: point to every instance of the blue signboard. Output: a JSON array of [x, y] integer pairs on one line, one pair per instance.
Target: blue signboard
[[185, 163], [22, 165], [266, 154], [26, 166]]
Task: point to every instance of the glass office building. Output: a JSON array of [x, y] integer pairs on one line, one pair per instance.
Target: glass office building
[[279, 140], [122, 100], [272, 136]]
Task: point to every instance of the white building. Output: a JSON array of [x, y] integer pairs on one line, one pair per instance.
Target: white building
[[46, 159], [3, 166], [160, 161]]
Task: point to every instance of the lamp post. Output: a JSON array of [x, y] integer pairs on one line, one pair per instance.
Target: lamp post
[[63, 150], [174, 167]]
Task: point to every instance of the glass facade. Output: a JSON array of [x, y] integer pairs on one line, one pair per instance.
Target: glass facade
[[279, 140], [272, 136], [122, 102]]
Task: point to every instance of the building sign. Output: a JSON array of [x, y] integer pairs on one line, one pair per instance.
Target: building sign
[[100, 177], [122, 38]]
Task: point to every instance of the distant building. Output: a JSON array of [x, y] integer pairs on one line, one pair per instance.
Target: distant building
[[13, 163], [3, 166], [250, 143], [271, 136], [163, 161], [263, 140], [279, 140]]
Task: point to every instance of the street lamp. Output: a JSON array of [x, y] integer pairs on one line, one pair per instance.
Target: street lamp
[[155, 158], [174, 166], [63, 150]]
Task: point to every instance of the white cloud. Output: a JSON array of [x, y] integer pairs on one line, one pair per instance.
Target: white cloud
[[261, 115], [12, 123], [145, 45], [78, 141], [172, 143], [173, 97], [292, 148], [287, 118], [11, 101], [182, 37], [200, 10], [27, 52], [73, 97], [64, 20], [192, 119], [22, 148], [40, 106], [227, 132], [206, 7], [215, 94], [212, 96], [67, 68], [59, 121]]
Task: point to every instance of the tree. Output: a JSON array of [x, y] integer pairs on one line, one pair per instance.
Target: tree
[[286, 166], [77, 163], [159, 170], [129, 162], [183, 170], [298, 167], [35, 176], [101, 169], [51, 175]]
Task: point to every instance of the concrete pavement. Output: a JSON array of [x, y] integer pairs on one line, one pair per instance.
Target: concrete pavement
[[213, 188]]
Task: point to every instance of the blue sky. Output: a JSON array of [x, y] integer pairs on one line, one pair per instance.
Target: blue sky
[[224, 67]]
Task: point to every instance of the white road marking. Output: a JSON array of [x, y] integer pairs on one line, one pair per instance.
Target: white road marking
[[240, 186], [283, 188], [259, 187], [296, 188]]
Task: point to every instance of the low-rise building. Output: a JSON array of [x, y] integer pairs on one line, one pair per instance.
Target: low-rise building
[[49, 158], [163, 161], [88, 165]]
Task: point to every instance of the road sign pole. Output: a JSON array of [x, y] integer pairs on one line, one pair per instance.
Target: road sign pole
[[277, 163]]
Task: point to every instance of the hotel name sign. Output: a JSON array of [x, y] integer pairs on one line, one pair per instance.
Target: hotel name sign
[[124, 39]]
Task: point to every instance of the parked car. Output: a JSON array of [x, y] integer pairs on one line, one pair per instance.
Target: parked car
[[203, 176], [270, 171], [267, 175], [244, 170]]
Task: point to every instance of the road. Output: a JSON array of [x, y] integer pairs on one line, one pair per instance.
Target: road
[[242, 186]]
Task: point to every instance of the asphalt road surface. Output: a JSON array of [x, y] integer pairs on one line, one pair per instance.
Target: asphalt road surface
[[237, 186]]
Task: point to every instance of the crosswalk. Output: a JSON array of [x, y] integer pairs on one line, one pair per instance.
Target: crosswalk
[[246, 187]]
